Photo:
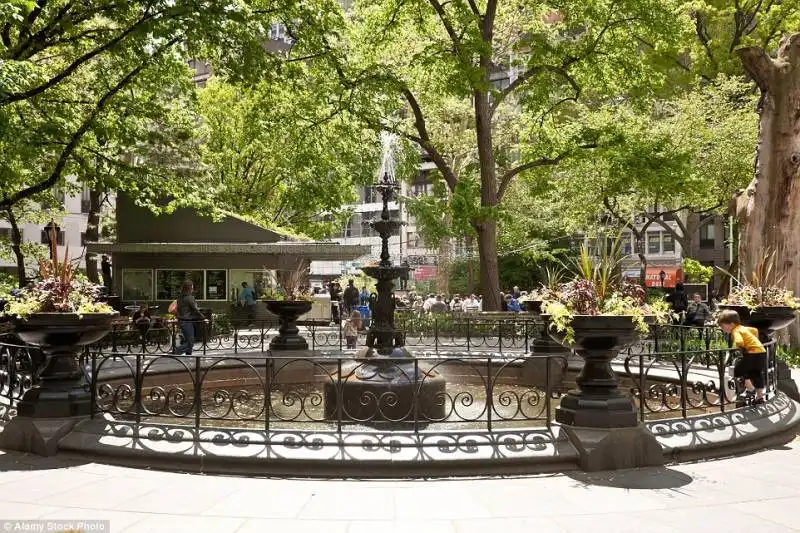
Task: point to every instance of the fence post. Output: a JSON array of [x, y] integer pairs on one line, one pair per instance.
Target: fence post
[[339, 397], [489, 394], [436, 334], [641, 387], [525, 333], [93, 383], [415, 395], [198, 390], [684, 381], [267, 393], [500, 335], [722, 359], [137, 391], [548, 391]]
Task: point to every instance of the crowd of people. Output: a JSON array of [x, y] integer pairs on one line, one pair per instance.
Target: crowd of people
[[690, 310]]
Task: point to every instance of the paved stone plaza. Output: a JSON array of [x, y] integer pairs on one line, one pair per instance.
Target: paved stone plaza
[[759, 492]]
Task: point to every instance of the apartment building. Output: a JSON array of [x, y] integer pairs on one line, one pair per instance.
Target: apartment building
[[405, 246], [71, 231]]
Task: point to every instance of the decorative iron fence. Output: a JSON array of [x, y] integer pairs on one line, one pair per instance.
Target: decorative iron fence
[[508, 333], [263, 390], [275, 392]]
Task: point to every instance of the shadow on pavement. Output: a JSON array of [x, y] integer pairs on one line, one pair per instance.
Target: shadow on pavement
[[640, 478], [18, 461]]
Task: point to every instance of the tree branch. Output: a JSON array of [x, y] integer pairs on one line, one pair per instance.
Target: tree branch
[[448, 26], [15, 97], [758, 64], [703, 37], [55, 175], [425, 139], [505, 179], [474, 7]]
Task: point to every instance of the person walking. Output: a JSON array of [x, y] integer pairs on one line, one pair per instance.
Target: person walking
[[678, 301], [188, 314], [351, 296], [247, 297], [350, 329]]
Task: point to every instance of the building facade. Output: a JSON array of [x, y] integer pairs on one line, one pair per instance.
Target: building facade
[[405, 246], [71, 231]]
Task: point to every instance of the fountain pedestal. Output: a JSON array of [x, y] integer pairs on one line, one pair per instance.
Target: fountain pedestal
[[385, 384]]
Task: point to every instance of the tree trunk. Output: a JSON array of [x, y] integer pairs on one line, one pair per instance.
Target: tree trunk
[[769, 209], [16, 247], [638, 245], [470, 274], [93, 233], [443, 269], [487, 228]]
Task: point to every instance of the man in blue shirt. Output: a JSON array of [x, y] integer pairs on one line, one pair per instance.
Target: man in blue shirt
[[513, 304], [247, 297]]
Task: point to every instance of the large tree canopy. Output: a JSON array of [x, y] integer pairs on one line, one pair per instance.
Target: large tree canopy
[[430, 65], [276, 152]]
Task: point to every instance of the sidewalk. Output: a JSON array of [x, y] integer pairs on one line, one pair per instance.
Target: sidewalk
[[759, 492]]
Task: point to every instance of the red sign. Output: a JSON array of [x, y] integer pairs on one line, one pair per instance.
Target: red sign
[[672, 275], [424, 273]]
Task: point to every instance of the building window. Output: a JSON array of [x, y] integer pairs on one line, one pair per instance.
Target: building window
[[258, 280], [85, 200], [421, 189], [351, 228], [59, 197], [668, 241], [169, 283], [626, 244], [372, 195], [216, 284], [653, 242], [5, 234], [414, 240], [708, 235], [45, 237], [137, 285]]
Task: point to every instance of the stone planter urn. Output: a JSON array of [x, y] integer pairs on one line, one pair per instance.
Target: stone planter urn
[[601, 423], [61, 396], [288, 311], [767, 320], [597, 402]]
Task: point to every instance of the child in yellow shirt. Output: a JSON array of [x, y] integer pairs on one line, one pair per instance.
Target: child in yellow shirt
[[752, 365]]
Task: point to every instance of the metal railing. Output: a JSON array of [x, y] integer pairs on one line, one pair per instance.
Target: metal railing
[[264, 390], [277, 392]]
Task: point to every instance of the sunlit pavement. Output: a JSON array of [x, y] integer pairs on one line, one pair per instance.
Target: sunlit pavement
[[757, 492]]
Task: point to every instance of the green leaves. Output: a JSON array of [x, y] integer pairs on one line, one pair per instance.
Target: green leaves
[[279, 153]]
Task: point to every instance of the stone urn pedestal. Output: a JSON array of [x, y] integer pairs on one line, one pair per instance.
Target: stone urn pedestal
[[288, 311], [768, 320], [601, 423], [61, 396]]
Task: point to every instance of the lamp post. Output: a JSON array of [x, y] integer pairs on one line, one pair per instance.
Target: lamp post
[[662, 276]]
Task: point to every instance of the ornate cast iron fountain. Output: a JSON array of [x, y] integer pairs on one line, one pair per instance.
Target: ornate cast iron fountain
[[385, 383], [383, 339]]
